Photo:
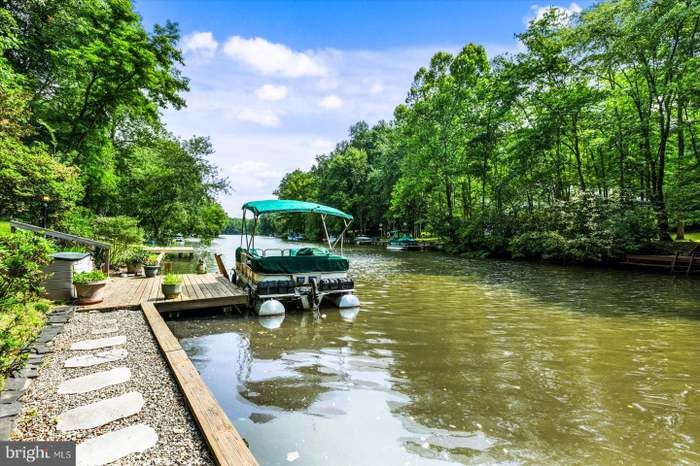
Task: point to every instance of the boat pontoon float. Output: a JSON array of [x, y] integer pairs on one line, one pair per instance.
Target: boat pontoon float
[[276, 278]]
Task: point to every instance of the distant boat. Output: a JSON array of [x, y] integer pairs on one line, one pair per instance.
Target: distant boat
[[364, 240], [295, 237], [404, 243]]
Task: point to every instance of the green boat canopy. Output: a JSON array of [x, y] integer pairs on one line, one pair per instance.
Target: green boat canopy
[[286, 205]]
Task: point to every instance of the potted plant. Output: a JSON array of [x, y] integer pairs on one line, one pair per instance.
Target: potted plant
[[171, 286], [151, 265], [89, 286], [135, 260]]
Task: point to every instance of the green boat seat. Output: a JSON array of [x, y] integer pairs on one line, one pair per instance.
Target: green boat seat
[[303, 260]]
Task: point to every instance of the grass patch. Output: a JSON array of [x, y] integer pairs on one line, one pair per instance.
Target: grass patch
[[4, 227], [690, 236]]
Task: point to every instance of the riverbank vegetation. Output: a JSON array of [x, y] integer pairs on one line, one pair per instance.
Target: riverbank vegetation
[[82, 85], [582, 146]]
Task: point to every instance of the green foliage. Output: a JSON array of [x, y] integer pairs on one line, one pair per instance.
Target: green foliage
[[171, 186], [172, 279], [95, 276], [22, 256], [581, 147], [122, 232], [151, 261], [135, 256]]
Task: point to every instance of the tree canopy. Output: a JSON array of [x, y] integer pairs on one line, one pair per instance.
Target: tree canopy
[[598, 114], [82, 87]]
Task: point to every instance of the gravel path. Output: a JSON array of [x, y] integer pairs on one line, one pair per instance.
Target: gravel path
[[179, 441]]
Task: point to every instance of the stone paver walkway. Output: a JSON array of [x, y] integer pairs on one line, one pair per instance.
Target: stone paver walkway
[[92, 382]]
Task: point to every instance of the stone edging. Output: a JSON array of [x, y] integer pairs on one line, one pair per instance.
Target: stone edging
[[16, 384]]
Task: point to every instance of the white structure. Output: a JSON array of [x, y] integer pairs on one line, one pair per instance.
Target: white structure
[[59, 285]]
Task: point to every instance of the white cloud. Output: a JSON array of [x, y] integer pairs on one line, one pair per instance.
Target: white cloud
[[273, 59], [259, 117], [331, 102], [271, 92], [539, 11], [376, 88], [202, 43], [321, 145]]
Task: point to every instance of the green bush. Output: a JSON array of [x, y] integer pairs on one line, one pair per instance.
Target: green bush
[[135, 255], [22, 256], [587, 228], [89, 277], [122, 232]]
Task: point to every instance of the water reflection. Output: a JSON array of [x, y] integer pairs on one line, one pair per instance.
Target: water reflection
[[457, 361]]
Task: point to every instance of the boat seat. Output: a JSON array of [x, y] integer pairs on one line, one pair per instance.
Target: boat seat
[[303, 260]]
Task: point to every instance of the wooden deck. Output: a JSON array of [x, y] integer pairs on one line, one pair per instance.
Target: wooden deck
[[199, 291], [170, 250], [674, 263]]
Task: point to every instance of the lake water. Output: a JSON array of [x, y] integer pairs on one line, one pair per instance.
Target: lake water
[[454, 360]]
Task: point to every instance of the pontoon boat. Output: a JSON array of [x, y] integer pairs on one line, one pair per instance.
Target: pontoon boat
[[404, 243], [276, 278]]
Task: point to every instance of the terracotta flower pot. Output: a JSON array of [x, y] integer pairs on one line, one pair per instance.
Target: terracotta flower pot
[[151, 270], [90, 293], [171, 291]]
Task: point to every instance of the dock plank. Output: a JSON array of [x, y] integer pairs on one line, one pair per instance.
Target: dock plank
[[223, 440]]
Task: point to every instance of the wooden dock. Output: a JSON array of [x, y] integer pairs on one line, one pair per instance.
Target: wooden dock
[[674, 263], [225, 444], [179, 250], [198, 291]]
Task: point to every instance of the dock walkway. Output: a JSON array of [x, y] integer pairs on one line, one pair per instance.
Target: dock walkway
[[198, 291]]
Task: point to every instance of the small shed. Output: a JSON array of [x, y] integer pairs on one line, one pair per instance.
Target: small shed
[[65, 264], [59, 285]]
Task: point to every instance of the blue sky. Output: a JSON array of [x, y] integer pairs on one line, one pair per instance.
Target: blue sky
[[276, 83]]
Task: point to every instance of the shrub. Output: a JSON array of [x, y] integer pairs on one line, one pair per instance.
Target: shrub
[[122, 232], [135, 256], [172, 279], [89, 277], [22, 256]]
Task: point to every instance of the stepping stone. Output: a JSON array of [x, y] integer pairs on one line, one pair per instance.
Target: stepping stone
[[95, 359], [102, 331], [88, 383], [100, 413], [114, 445], [98, 343]]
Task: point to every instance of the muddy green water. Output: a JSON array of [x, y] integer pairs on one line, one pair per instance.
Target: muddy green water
[[454, 360]]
